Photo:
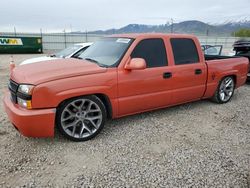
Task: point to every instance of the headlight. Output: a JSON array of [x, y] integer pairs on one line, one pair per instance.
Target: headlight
[[24, 95], [25, 89], [24, 103]]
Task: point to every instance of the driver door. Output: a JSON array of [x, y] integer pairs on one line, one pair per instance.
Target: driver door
[[142, 90]]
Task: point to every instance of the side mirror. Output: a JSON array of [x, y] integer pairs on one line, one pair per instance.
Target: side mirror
[[136, 64]]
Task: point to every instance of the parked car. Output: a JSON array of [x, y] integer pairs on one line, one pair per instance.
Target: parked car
[[72, 51], [117, 76], [242, 49]]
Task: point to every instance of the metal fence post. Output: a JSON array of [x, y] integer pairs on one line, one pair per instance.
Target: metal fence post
[[15, 31], [41, 33], [86, 36], [65, 42]]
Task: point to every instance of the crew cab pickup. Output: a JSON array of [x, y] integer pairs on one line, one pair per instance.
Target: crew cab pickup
[[117, 76]]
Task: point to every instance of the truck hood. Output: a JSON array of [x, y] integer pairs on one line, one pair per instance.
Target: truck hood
[[46, 71]]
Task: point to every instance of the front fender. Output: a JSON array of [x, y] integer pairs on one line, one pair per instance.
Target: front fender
[[51, 94], [76, 92]]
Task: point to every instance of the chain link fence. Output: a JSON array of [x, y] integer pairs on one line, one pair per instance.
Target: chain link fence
[[58, 41]]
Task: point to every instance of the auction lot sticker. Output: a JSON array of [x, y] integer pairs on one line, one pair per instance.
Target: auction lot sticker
[[123, 40], [11, 42]]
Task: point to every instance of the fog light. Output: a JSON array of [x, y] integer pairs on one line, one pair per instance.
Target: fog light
[[24, 103]]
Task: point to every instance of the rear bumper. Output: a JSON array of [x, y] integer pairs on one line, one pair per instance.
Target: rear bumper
[[30, 123]]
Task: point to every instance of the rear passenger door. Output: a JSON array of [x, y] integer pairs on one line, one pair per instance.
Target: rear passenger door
[[189, 72], [140, 90]]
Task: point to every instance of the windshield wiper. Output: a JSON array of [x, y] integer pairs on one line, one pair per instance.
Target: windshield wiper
[[77, 57], [95, 61], [90, 59]]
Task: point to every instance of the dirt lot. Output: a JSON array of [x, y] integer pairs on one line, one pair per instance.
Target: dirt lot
[[201, 144]]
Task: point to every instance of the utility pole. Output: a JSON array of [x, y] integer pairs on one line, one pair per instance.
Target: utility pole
[[71, 28], [207, 32]]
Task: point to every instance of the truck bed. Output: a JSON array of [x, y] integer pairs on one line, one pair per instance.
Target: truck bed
[[215, 57], [228, 59], [225, 64]]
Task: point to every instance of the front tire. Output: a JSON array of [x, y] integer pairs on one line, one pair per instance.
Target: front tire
[[225, 90], [81, 118]]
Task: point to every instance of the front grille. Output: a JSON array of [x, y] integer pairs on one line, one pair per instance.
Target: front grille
[[13, 87]]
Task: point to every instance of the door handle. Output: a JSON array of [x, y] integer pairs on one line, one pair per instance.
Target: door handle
[[198, 71], [167, 75]]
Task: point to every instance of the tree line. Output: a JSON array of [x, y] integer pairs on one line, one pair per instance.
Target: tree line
[[242, 33]]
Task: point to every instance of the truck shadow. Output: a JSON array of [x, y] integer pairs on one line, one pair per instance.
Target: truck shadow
[[129, 123], [116, 126]]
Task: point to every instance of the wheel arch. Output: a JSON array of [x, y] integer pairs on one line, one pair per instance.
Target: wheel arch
[[106, 101], [215, 97], [103, 97], [234, 76]]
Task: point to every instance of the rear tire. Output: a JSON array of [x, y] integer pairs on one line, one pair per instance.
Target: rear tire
[[81, 118], [225, 90]]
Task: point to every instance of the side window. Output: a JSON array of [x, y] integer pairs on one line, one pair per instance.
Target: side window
[[153, 51], [185, 51]]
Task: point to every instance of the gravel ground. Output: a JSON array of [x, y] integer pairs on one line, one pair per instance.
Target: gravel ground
[[200, 144]]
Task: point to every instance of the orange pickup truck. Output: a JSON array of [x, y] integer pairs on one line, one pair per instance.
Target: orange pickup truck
[[117, 76]]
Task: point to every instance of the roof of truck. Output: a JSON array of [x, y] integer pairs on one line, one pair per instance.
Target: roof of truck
[[139, 35]]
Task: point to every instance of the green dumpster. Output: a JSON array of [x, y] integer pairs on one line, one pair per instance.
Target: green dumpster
[[17, 45]]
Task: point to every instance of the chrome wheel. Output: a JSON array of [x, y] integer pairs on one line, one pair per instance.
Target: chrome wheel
[[81, 118], [226, 89]]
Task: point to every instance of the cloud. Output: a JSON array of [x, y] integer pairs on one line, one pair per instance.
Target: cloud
[[30, 15]]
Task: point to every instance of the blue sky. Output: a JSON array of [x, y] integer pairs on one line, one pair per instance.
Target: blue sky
[[81, 15]]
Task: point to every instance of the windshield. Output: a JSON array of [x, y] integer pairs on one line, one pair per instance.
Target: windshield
[[107, 51], [67, 51]]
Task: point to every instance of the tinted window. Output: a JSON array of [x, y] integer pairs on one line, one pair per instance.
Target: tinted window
[[185, 51], [153, 51]]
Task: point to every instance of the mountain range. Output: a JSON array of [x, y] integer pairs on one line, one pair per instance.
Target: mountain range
[[191, 27]]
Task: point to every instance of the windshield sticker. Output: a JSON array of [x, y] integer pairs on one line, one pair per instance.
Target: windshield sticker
[[123, 40]]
